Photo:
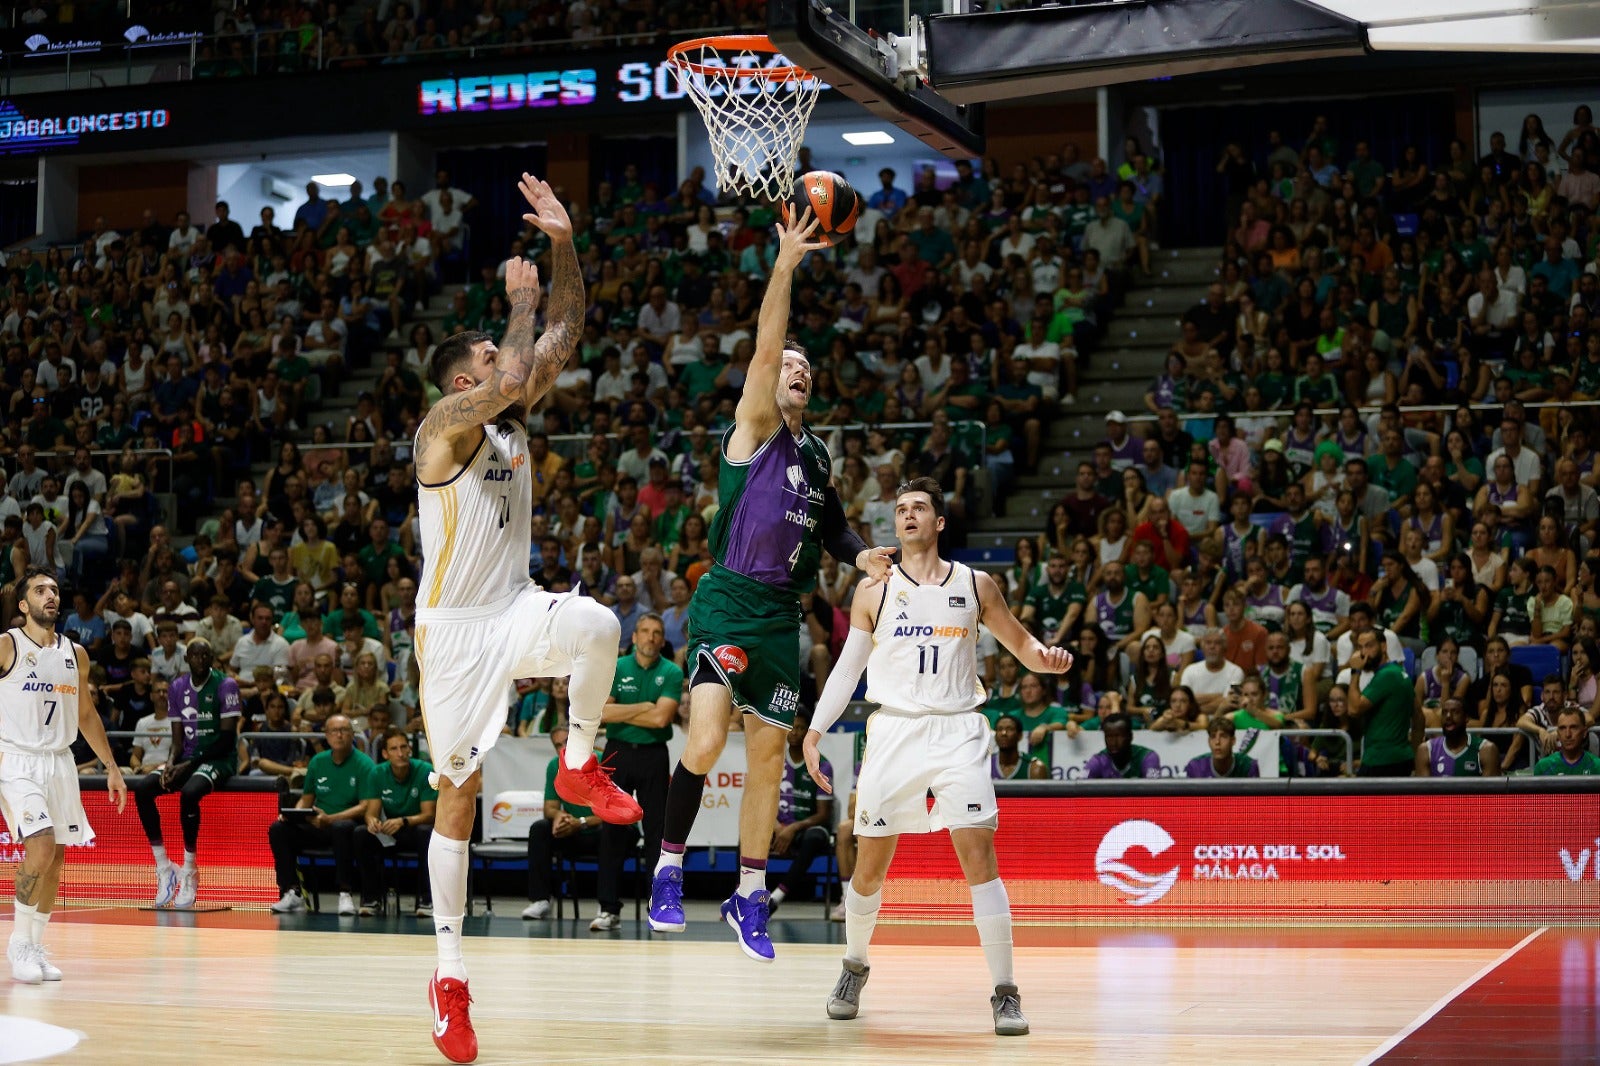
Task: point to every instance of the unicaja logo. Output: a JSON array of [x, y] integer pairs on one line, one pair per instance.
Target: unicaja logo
[[135, 33], [36, 42], [1138, 889]]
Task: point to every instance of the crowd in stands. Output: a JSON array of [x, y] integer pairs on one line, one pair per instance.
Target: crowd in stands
[[1375, 421], [267, 38]]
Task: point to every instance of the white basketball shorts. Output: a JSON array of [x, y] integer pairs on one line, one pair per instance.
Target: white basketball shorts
[[39, 792], [469, 657], [909, 754]]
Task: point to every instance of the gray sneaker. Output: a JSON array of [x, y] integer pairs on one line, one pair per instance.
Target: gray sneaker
[[1007, 1005], [845, 1001]]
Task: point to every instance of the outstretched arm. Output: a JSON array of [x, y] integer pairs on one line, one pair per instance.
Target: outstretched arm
[[756, 417], [564, 315], [1034, 656]]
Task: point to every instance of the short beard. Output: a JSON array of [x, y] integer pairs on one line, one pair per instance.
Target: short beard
[[42, 618], [515, 415]]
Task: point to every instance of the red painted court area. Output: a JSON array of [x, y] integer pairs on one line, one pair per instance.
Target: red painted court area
[[1541, 1005]]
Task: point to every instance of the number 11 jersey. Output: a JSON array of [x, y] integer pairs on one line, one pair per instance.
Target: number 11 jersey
[[925, 647]]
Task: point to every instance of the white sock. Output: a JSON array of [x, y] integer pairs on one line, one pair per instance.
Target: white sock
[[991, 913], [669, 860], [779, 895], [860, 919], [580, 743], [40, 920], [189, 861], [591, 634], [751, 881], [22, 917], [447, 872], [160, 852]]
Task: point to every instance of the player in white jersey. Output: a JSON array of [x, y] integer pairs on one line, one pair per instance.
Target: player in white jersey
[[916, 635], [44, 704], [481, 623]]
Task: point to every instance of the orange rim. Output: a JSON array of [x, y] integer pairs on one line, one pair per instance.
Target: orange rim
[[736, 44]]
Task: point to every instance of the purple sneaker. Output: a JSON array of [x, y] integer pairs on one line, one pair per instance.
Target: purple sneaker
[[666, 900], [748, 917]]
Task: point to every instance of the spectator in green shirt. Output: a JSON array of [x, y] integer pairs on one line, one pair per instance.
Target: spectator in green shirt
[[1386, 709], [334, 780], [1571, 756], [399, 804]]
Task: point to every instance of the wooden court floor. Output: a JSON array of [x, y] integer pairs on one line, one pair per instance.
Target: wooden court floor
[[235, 988]]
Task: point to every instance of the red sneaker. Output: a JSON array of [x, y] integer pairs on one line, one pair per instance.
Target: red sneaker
[[452, 1025], [592, 787]]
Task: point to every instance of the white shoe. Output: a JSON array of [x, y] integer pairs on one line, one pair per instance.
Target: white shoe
[[166, 884], [537, 911], [46, 967], [188, 888], [347, 906], [24, 962], [604, 921], [291, 903]]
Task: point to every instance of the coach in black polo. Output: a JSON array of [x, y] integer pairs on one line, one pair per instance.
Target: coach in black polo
[[638, 722]]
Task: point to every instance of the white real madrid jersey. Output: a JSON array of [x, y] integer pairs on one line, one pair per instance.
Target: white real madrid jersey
[[39, 698], [476, 527], [924, 654]]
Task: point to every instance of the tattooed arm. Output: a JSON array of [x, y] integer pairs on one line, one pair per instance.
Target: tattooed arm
[[522, 370], [458, 417], [564, 314]]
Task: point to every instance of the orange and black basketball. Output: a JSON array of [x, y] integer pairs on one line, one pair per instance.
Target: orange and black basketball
[[831, 199]]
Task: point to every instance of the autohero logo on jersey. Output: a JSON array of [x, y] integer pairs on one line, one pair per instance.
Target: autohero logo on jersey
[[1238, 861]]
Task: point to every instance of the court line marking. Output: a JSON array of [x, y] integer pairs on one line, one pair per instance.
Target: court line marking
[[1445, 1000]]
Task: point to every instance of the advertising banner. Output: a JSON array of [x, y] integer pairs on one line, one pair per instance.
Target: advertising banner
[[1225, 858], [516, 763], [116, 867], [1069, 756], [503, 94]]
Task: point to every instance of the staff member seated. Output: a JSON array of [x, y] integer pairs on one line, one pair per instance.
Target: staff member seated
[[399, 815]]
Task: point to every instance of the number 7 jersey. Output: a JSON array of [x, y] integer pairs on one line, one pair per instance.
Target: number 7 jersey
[[925, 646], [39, 698]]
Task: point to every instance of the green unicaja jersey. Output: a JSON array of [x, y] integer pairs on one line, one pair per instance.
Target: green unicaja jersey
[[400, 799], [638, 684], [1050, 607], [1556, 764], [768, 525], [1388, 729], [337, 786]]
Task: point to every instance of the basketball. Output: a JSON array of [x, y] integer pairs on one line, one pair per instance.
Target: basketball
[[831, 199]]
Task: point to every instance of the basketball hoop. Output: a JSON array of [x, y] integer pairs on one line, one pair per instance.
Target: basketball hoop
[[755, 106]]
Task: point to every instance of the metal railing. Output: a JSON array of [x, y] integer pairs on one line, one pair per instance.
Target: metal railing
[[167, 452], [1368, 409]]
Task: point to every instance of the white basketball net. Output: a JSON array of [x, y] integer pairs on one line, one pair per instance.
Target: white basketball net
[[756, 121]]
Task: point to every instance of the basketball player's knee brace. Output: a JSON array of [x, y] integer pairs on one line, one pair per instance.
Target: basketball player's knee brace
[[587, 626]]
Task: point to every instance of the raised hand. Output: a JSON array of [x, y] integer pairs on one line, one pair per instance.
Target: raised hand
[[522, 283], [794, 237], [547, 215]]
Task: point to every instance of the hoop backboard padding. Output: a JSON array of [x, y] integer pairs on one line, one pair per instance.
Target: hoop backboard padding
[[867, 69], [1027, 52], [755, 104]]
